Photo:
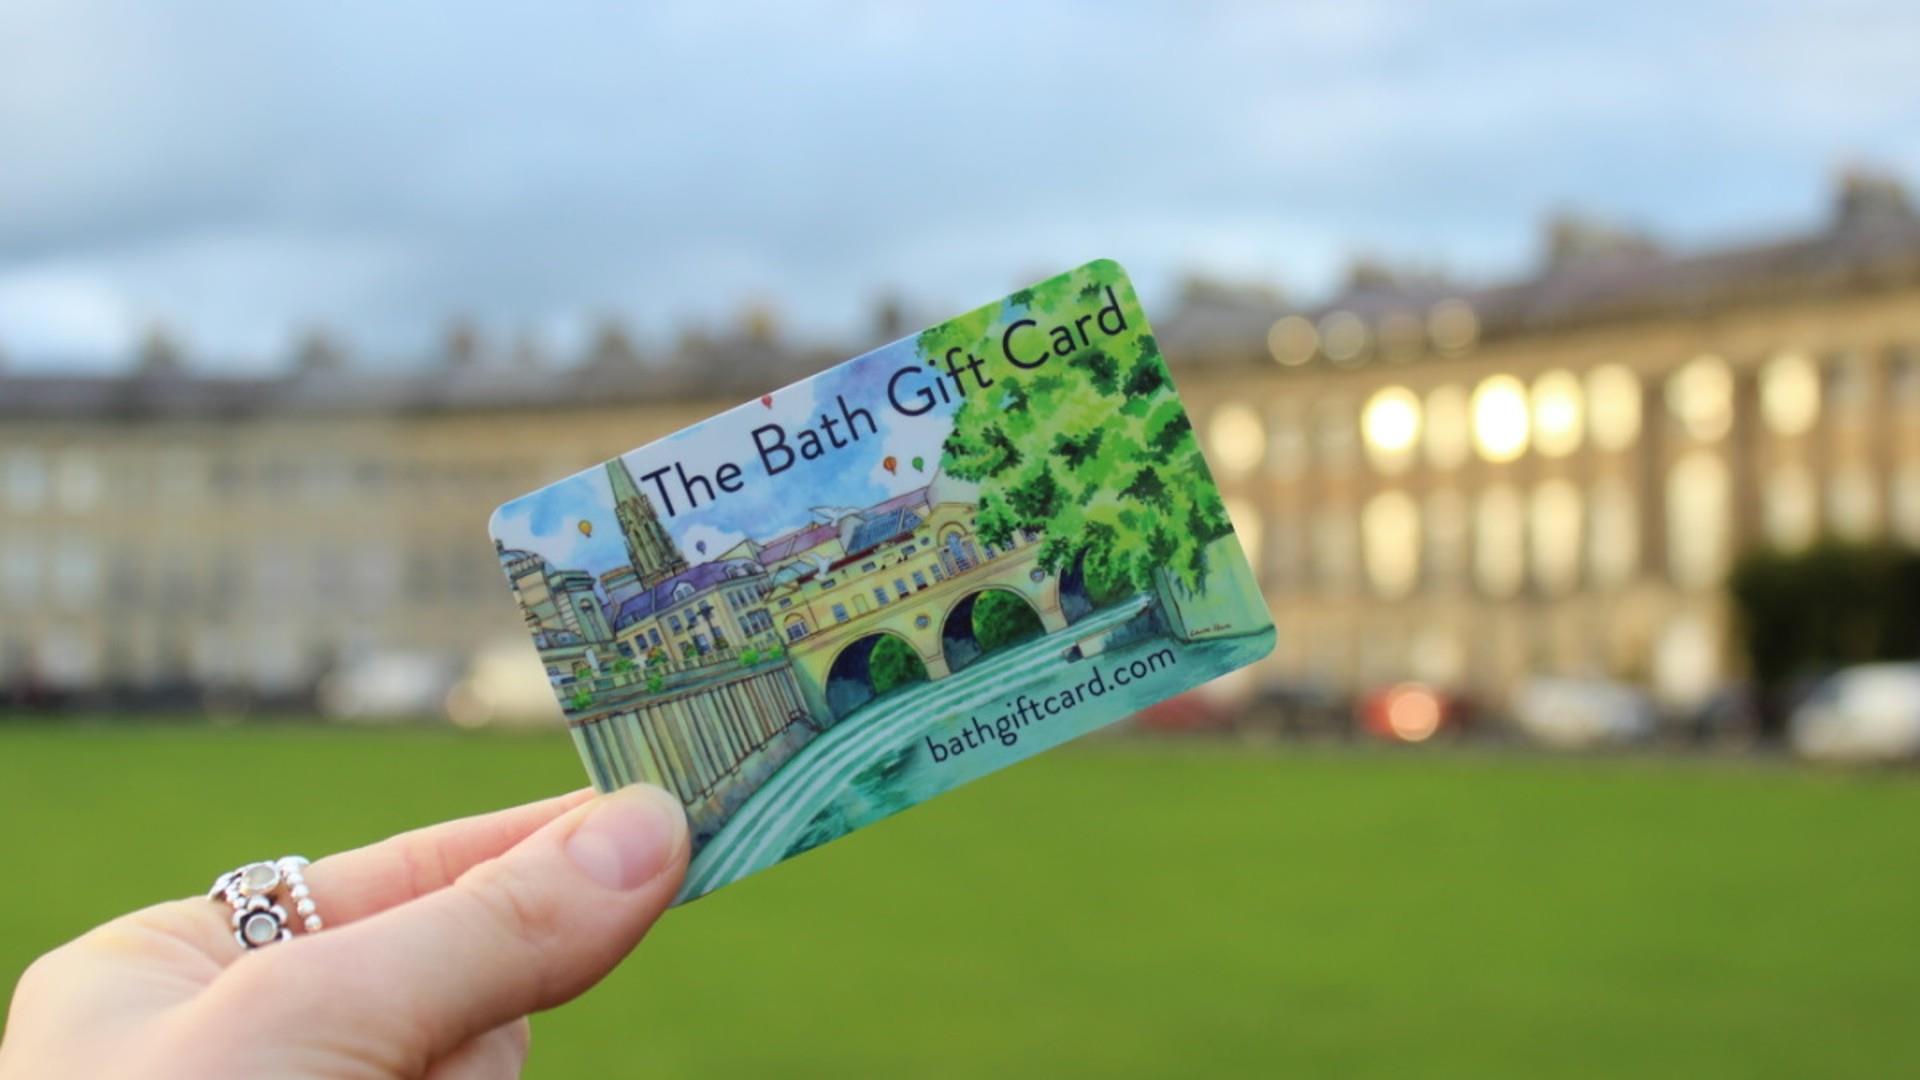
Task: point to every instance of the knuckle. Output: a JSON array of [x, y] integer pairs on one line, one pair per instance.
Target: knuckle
[[520, 903]]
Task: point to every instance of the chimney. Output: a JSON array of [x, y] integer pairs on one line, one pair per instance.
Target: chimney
[[159, 353], [1869, 199], [1574, 238]]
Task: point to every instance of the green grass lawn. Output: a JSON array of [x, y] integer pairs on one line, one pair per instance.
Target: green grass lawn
[[1123, 907]]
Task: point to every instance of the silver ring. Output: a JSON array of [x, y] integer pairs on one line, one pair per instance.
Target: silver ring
[[258, 894]]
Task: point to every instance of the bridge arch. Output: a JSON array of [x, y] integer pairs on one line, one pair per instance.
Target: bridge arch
[[1014, 616], [1080, 597], [854, 678]]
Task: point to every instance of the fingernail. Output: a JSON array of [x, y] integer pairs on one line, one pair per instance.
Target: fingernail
[[628, 836]]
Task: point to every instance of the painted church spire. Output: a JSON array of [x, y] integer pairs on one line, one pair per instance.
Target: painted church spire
[[654, 555]]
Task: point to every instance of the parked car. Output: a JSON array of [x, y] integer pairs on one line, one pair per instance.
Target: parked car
[[1865, 713], [1575, 713]]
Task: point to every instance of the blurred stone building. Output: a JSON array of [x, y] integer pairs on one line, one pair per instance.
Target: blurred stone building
[[1554, 475], [1457, 485]]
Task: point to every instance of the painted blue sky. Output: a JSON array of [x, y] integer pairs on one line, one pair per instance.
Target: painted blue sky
[[853, 476], [242, 171]]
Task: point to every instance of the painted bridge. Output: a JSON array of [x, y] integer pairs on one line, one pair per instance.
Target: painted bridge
[[936, 622]]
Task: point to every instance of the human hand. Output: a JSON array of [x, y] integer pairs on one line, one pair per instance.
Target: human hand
[[438, 945]]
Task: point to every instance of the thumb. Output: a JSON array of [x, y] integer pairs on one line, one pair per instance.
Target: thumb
[[526, 931]]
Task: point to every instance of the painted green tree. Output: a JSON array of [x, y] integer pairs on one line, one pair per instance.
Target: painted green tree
[[894, 664], [1092, 449], [1000, 619]]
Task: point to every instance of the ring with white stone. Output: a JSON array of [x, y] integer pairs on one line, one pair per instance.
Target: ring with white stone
[[258, 894]]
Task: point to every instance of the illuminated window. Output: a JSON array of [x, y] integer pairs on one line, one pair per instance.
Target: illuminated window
[[1343, 337], [1500, 418], [1292, 340], [1853, 507], [1790, 394], [1613, 406], [1390, 426], [1499, 552], [1792, 510], [1246, 525], [1698, 530], [1448, 431], [1613, 538], [1554, 527], [1558, 422], [1236, 438], [1390, 529], [1700, 397]]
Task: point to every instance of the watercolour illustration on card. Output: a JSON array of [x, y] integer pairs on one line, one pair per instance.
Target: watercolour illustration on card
[[854, 593]]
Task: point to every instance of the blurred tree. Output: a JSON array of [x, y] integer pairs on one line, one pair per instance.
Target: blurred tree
[[1804, 613], [462, 348], [612, 347], [1001, 618]]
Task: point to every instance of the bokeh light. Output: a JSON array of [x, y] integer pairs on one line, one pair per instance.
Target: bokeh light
[[1500, 419], [1390, 427], [1558, 423]]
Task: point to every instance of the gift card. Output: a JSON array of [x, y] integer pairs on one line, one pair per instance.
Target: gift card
[[851, 594]]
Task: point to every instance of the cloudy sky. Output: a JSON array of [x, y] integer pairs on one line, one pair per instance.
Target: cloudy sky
[[241, 171]]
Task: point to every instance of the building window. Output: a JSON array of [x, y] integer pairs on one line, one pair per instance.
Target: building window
[[1613, 534], [653, 636], [900, 586], [1700, 397], [1698, 533], [1390, 428], [1499, 555], [1559, 419], [1500, 418], [25, 480], [1613, 406], [866, 567], [673, 623], [700, 642], [938, 574], [796, 630], [919, 580], [786, 602], [1554, 529], [1790, 394], [1236, 438], [879, 594], [1390, 537], [840, 613], [907, 551]]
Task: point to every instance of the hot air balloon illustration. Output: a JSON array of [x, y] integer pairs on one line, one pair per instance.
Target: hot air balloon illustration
[[700, 546], [586, 527], [890, 463], [919, 464]]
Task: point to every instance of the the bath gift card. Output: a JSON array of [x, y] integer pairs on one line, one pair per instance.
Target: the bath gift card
[[854, 593]]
